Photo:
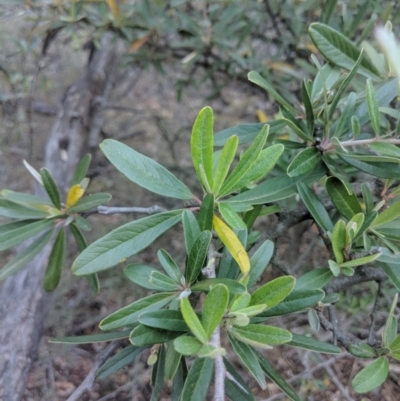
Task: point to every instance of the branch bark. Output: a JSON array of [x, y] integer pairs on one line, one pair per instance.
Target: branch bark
[[23, 303]]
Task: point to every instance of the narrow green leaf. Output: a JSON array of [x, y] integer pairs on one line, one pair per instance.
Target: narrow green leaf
[[179, 381], [360, 261], [169, 265], [118, 361], [326, 79], [163, 282], [141, 275], [198, 380], [344, 121], [27, 255], [56, 263], [337, 49], [296, 125], [378, 169], [261, 167], [158, 375], [315, 206], [172, 361], [249, 359], [372, 376], [248, 158], [347, 205], [89, 202], [395, 344], [231, 217], [298, 300], [197, 256], [389, 214], [334, 267], [277, 378], [214, 308], [187, 345], [33, 172], [308, 108], [51, 187], [362, 350], [233, 286], [259, 261], [202, 144], [273, 292], [166, 319], [313, 345], [304, 162], [386, 149], [206, 213], [256, 78], [26, 199], [224, 163], [81, 170], [21, 233], [82, 223], [123, 242], [390, 330], [91, 338], [144, 336], [191, 229], [261, 335], [373, 108], [339, 240], [193, 321], [19, 211], [314, 279], [144, 171], [355, 126], [313, 320], [236, 388], [129, 315]]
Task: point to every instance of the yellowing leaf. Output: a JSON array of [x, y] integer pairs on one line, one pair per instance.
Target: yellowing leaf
[[232, 243], [138, 43], [262, 117], [114, 7], [74, 194]]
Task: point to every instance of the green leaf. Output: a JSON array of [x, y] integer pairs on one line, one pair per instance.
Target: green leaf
[[161, 282], [355, 126], [314, 279], [198, 380], [27, 255], [82, 223], [51, 187], [389, 214], [360, 261], [157, 375], [179, 381], [28, 200], [118, 361], [339, 240], [378, 169], [337, 49], [123, 242], [344, 121], [141, 275], [261, 167], [386, 149], [395, 344], [325, 79], [224, 163], [249, 359], [233, 286], [259, 261], [197, 256], [315, 206], [362, 350], [172, 361], [33, 172], [206, 213], [277, 378], [390, 330], [393, 272], [347, 205], [373, 108], [236, 388], [298, 300], [92, 338], [144, 171], [16, 235], [308, 108], [129, 315], [260, 335], [304, 162], [296, 125], [273, 292], [56, 263], [372, 376], [166, 319], [169, 265], [214, 308], [248, 158], [256, 78], [89, 202], [334, 267], [144, 336], [81, 170], [191, 229], [18, 211], [193, 321], [202, 144], [313, 320], [313, 345], [276, 188], [187, 345], [231, 217]]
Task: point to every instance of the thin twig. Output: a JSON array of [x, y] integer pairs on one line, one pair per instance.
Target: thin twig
[[140, 210], [87, 384]]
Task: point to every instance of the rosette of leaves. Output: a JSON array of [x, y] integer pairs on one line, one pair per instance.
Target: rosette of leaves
[[43, 220]]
